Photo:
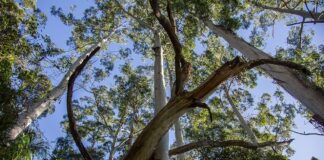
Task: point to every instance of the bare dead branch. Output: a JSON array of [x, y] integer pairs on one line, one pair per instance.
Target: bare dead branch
[[228, 143], [309, 11], [72, 123], [301, 34], [307, 134], [302, 22]]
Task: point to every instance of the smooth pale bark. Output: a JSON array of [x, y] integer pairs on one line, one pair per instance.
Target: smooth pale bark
[[228, 143], [162, 150], [177, 125], [146, 142], [179, 138], [34, 110], [296, 85], [243, 123], [305, 14]]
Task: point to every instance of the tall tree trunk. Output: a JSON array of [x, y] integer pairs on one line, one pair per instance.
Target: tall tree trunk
[[243, 123], [162, 150], [179, 138], [296, 85], [34, 110], [177, 124]]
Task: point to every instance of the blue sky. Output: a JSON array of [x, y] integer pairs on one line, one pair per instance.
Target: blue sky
[[305, 146]]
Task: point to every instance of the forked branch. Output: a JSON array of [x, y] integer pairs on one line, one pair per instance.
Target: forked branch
[[182, 67]]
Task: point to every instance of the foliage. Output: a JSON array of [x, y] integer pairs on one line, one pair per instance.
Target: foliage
[[115, 100]]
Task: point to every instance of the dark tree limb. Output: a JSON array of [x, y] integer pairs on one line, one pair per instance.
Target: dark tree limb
[[309, 11], [235, 67], [72, 123], [182, 67], [171, 18], [228, 143], [199, 104], [300, 45]]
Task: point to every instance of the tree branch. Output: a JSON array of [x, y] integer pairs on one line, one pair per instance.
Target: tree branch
[[182, 67], [235, 67], [72, 123], [302, 22], [199, 104], [141, 22], [308, 134], [228, 143], [310, 14], [243, 123], [300, 45]]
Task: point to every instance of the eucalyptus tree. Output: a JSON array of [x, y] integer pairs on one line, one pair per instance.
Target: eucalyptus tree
[[117, 122], [22, 80], [83, 43], [301, 88]]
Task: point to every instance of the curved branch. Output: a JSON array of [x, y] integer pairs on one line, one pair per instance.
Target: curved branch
[[72, 124], [235, 67], [228, 143]]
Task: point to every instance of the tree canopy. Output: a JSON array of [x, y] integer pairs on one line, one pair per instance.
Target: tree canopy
[[161, 79]]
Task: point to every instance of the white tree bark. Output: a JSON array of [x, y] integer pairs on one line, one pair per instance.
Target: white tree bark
[[34, 110], [179, 138], [162, 150], [243, 123], [296, 85], [177, 125]]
